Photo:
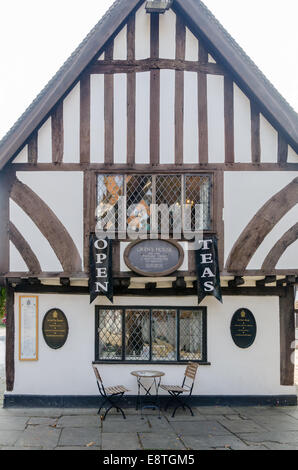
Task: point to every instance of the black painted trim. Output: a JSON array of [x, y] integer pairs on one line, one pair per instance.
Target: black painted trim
[[93, 401]]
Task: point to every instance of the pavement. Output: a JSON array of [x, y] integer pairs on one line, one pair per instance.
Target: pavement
[[211, 428]]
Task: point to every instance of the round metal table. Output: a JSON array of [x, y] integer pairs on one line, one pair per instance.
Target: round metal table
[[156, 376]]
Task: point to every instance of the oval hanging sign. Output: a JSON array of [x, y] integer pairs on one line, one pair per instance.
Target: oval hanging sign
[[55, 328], [154, 258], [243, 328]]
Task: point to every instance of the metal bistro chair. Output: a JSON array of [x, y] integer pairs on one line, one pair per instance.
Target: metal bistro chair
[[108, 393], [176, 391]]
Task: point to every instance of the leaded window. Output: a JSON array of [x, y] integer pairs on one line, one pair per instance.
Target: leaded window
[[169, 192], [155, 334]]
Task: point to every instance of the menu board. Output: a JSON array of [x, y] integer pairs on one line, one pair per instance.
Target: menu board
[[28, 328]]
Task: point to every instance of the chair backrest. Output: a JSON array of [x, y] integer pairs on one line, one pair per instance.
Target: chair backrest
[[99, 380], [190, 373]]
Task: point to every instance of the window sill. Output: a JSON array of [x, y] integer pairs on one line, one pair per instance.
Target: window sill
[[165, 363]]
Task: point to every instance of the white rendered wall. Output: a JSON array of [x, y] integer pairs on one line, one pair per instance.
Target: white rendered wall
[[97, 120], [22, 157], [269, 141], [244, 194], [142, 34], [44, 142], [242, 126], [233, 371], [191, 116], [71, 120], [292, 155], [191, 46], [216, 120]]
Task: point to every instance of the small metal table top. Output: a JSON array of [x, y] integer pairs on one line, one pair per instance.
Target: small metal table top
[[156, 376], [147, 373]]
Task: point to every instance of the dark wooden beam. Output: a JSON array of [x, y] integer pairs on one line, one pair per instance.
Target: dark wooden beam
[[154, 93], [237, 281], [57, 133], [266, 280], [10, 339], [65, 281], [146, 65], [287, 336], [179, 283], [229, 120]]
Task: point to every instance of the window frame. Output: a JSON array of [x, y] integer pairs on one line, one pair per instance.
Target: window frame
[[182, 175], [150, 361]]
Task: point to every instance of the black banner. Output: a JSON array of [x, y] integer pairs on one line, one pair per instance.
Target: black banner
[[101, 275], [208, 269]]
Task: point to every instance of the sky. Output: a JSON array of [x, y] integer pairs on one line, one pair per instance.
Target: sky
[[37, 37]]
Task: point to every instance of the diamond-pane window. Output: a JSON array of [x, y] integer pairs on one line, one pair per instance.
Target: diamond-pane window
[[151, 334], [197, 192], [191, 335], [137, 334], [164, 335], [110, 334], [138, 200], [109, 189]]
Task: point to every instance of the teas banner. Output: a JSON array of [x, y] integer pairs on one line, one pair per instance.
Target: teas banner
[[208, 278]]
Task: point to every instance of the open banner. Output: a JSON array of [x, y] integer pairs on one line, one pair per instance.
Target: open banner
[[101, 274], [208, 278]]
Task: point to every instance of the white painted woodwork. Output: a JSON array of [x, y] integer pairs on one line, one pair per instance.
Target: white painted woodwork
[[191, 46], [101, 57], [190, 125], [16, 262], [120, 45], [142, 34], [167, 116], [242, 126], [273, 237], [244, 195], [292, 155], [71, 119], [44, 142], [38, 243], [269, 141], [120, 118], [167, 35], [216, 120], [63, 194], [142, 152], [97, 120], [216, 379], [22, 157]]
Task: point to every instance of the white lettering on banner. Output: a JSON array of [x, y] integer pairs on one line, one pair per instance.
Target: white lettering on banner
[[209, 287], [207, 273], [100, 286], [100, 257], [206, 259], [101, 272], [105, 244]]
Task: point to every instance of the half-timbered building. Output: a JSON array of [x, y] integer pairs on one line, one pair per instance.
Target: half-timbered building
[[159, 106]]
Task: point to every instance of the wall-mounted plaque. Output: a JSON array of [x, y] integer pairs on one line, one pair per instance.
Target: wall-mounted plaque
[[243, 328], [55, 328], [154, 258], [28, 328]]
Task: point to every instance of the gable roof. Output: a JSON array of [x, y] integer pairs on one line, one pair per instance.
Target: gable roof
[[203, 23]]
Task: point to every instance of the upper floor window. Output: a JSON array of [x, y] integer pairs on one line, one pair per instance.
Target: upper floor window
[[155, 203]]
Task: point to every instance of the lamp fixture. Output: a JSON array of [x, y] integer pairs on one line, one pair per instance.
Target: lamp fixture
[[158, 6]]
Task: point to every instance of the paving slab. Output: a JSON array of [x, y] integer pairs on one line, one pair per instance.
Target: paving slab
[[39, 436], [125, 425], [117, 441], [154, 441], [216, 410], [241, 425], [83, 437], [201, 428], [9, 438], [196, 442], [158, 425], [79, 421], [280, 437], [41, 421], [12, 423]]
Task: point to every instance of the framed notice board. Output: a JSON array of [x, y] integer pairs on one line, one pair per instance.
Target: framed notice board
[[28, 328]]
